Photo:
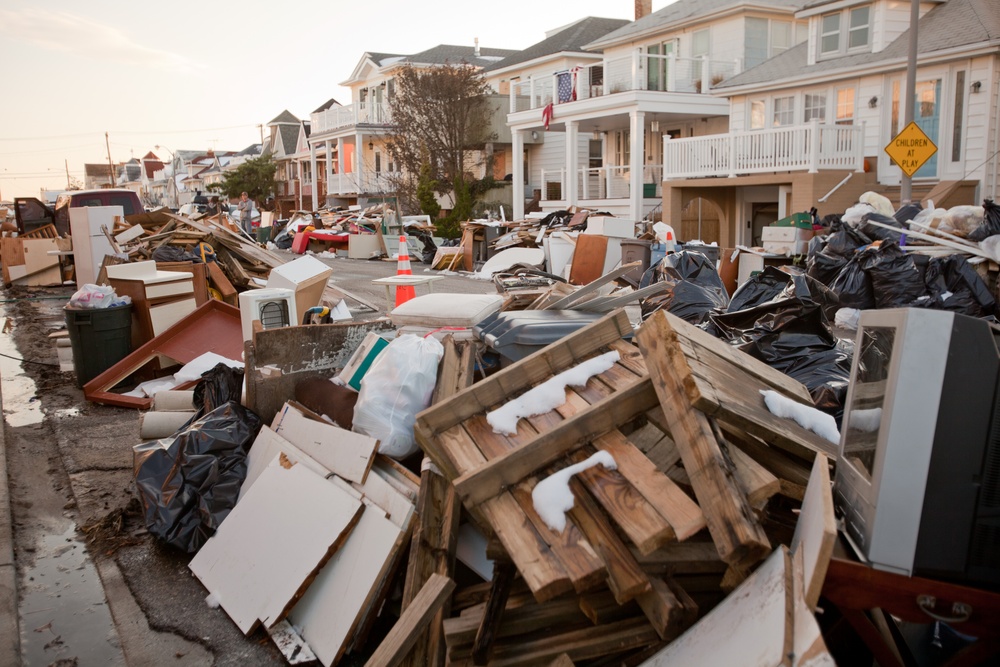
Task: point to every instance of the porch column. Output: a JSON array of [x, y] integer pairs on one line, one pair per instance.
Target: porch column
[[298, 190], [517, 171], [329, 168], [358, 173], [637, 120], [341, 166], [312, 175], [571, 195]]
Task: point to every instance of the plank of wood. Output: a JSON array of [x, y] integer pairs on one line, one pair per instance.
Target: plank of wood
[[792, 472], [482, 646], [405, 632], [237, 274], [343, 452], [731, 522], [588, 259], [816, 530], [513, 380], [524, 619], [218, 280], [264, 556], [592, 287], [691, 557], [489, 479], [669, 609]]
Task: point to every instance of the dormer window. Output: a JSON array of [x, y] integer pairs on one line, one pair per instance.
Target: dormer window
[[845, 31]]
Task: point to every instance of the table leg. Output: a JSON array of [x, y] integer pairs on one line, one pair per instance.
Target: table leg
[[871, 637]]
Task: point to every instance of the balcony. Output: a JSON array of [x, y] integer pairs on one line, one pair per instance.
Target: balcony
[[604, 183], [341, 117], [809, 148], [638, 71], [367, 182]]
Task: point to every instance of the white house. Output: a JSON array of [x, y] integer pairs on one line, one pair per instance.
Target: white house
[[808, 127]]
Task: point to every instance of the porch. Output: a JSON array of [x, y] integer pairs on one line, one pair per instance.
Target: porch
[[342, 117]]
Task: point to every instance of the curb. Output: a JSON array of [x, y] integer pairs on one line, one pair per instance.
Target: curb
[[10, 636]]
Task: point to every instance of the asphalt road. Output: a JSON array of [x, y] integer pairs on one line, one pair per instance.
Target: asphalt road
[[69, 464]]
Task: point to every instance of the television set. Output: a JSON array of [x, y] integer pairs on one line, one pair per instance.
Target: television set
[[918, 475]]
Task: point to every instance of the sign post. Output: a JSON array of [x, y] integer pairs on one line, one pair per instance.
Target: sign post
[[910, 149]]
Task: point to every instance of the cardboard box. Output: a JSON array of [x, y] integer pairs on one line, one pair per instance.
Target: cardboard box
[[786, 234], [306, 276], [786, 247], [618, 228]]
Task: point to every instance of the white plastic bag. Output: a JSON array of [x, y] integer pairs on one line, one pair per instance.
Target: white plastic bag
[[93, 296], [880, 203], [398, 385]]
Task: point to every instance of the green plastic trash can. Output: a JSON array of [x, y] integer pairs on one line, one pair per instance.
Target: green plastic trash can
[[100, 338]]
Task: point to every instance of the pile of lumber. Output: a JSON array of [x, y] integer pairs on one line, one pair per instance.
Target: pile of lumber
[[703, 493]]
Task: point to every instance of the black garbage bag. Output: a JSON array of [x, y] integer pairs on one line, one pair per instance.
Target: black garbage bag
[[778, 333], [844, 240], [216, 387], [773, 284], [881, 233], [826, 374], [954, 285], [427, 241], [991, 222], [824, 267], [907, 213], [188, 484], [853, 285], [897, 278], [172, 253], [696, 291]]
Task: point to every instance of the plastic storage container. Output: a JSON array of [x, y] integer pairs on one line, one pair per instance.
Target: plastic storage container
[[100, 338], [636, 250], [709, 251]]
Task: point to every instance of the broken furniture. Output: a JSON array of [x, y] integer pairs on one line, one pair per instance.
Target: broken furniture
[[91, 243], [159, 298], [33, 258], [404, 281], [306, 276], [214, 327]]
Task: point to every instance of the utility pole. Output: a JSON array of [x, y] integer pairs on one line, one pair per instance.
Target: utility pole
[[111, 166], [261, 126], [910, 99], [68, 184]]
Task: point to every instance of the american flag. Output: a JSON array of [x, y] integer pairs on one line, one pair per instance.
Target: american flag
[[547, 115], [566, 86]]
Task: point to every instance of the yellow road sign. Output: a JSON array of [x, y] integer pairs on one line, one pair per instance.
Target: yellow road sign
[[911, 149]]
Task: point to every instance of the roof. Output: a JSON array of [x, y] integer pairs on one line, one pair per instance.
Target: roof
[[285, 116], [326, 105], [683, 11], [572, 38], [954, 24], [97, 169], [444, 54], [289, 138], [252, 149]]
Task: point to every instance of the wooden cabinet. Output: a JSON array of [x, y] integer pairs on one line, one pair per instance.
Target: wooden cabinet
[[159, 298]]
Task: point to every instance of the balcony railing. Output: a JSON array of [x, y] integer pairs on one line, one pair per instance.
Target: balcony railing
[[361, 113], [365, 182], [638, 71], [800, 148], [611, 182]]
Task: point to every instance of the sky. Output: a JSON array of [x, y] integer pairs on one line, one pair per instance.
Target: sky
[[197, 75]]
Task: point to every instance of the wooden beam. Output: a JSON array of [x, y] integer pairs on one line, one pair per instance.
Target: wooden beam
[[503, 576], [731, 521], [407, 629]]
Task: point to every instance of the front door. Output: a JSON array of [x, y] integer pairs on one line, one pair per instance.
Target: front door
[[927, 116]]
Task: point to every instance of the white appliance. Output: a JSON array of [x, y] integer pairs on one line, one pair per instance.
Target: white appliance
[[273, 307], [90, 245]]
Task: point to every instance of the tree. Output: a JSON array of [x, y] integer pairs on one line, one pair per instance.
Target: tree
[[255, 177], [442, 121]]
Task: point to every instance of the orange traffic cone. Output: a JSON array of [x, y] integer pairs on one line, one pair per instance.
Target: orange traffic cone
[[404, 292]]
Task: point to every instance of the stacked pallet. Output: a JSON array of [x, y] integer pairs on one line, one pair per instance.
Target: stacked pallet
[[687, 515]]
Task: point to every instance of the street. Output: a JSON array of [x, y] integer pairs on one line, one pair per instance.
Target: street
[[92, 586]]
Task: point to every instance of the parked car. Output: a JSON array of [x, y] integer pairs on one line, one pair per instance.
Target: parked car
[[32, 213]]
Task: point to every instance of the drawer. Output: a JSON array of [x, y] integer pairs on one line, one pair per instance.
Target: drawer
[[174, 288]]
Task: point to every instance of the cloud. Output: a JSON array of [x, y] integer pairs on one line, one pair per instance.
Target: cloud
[[71, 33]]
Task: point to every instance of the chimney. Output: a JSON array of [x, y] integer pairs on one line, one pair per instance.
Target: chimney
[[476, 53], [643, 8]]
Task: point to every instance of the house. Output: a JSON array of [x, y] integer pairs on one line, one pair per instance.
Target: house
[[601, 109], [281, 143], [351, 139], [97, 175], [808, 127]]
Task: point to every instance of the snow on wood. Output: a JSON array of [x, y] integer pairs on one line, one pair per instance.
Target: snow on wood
[[549, 395], [552, 497], [820, 423]]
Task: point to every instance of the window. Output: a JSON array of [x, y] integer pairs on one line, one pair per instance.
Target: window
[[784, 111], [764, 38], [596, 154], [834, 40], [815, 107], [757, 114], [956, 128], [894, 116], [845, 106], [658, 64], [700, 46], [781, 37]]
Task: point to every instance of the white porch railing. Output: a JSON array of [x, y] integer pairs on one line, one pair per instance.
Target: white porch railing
[[611, 182], [639, 71], [800, 148], [367, 181], [339, 117]]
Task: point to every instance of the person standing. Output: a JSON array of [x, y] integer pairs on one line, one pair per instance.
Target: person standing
[[245, 208]]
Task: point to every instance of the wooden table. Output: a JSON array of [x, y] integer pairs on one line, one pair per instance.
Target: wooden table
[[855, 588], [404, 280]]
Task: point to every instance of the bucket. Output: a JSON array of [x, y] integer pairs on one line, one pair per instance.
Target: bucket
[[100, 338], [263, 234]]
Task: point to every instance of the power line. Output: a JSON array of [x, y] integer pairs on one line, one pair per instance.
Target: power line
[[88, 134]]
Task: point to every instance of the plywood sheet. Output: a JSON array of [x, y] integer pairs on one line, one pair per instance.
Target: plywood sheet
[[588, 259], [266, 552], [343, 452], [816, 530]]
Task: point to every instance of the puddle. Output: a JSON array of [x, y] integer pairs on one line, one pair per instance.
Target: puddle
[[62, 607], [20, 401]]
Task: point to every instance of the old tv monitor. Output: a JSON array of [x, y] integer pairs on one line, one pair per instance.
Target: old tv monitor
[[918, 475]]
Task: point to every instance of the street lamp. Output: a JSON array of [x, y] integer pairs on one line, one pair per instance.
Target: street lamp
[[173, 179]]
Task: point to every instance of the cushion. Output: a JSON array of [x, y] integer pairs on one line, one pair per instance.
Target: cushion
[[446, 310]]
